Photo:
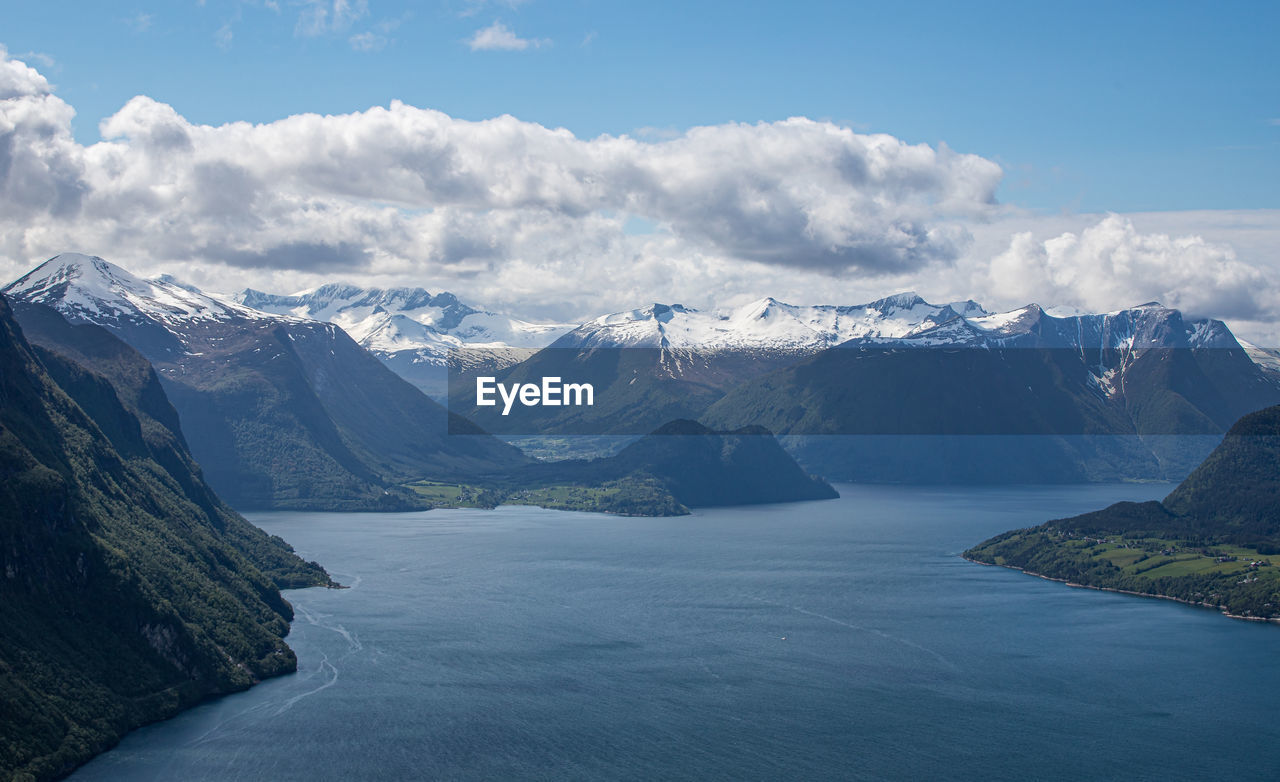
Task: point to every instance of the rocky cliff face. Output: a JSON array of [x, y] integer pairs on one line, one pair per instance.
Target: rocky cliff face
[[128, 590]]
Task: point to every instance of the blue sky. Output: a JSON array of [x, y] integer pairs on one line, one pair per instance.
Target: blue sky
[[1087, 106]]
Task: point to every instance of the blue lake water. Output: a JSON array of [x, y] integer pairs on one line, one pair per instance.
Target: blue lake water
[[838, 640]]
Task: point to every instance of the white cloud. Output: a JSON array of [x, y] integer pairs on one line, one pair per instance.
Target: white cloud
[[367, 42], [650, 133], [516, 215], [402, 187], [223, 36], [1112, 265], [498, 37]]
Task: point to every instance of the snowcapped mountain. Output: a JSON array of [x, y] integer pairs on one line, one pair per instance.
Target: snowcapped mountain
[[417, 334], [904, 319], [1146, 326], [160, 317], [86, 288], [765, 324], [282, 370], [390, 320], [1267, 359], [281, 411]]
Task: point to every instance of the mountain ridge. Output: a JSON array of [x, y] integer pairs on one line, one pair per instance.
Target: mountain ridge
[[280, 411]]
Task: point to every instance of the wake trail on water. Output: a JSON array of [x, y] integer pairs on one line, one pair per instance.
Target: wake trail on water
[[325, 668], [317, 619], [280, 706], [863, 629], [332, 680]]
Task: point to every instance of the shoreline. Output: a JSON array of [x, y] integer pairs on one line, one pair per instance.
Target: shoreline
[[1220, 609]]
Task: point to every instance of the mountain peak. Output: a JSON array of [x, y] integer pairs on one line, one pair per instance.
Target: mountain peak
[[90, 276], [67, 267], [664, 312], [898, 301], [88, 288]]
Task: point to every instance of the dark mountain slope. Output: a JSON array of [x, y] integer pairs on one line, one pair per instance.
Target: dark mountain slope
[[128, 590], [1213, 540], [1235, 493], [1136, 394], [697, 466], [637, 389], [1232, 497]]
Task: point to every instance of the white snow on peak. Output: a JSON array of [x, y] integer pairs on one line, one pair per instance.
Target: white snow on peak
[[431, 326], [391, 320], [766, 324], [88, 288], [1009, 322], [1267, 358], [906, 318]]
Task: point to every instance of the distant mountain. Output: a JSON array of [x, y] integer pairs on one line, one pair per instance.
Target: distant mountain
[[1267, 359], [1142, 370], [412, 331], [765, 325], [1088, 383], [130, 591], [665, 362], [280, 411], [917, 372], [1212, 541], [699, 467]]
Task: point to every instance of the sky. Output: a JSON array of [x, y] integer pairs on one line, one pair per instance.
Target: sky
[[558, 159]]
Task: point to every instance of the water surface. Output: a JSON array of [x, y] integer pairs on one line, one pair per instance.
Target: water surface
[[842, 640]]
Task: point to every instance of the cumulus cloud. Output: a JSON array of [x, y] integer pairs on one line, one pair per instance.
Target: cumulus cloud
[[1112, 265], [414, 192], [41, 168], [499, 37]]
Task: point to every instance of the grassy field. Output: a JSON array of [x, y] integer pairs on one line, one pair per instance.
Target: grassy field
[[1157, 558], [455, 495], [1238, 579], [1154, 558], [635, 497], [565, 497]]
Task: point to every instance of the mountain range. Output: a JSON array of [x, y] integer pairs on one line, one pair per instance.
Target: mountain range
[[415, 333], [280, 411], [1037, 396], [1140, 393], [901, 390], [663, 362]]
